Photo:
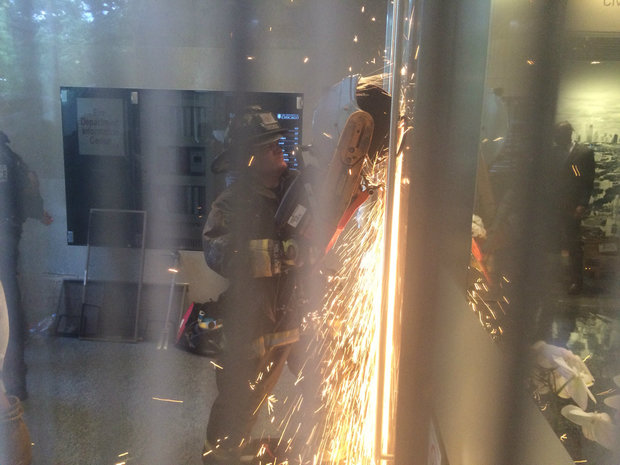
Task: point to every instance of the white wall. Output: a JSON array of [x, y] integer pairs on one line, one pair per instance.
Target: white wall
[[184, 44], [593, 16]]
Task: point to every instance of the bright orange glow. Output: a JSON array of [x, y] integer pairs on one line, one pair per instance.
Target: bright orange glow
[[351, 322], [350, 318], [390, 371]]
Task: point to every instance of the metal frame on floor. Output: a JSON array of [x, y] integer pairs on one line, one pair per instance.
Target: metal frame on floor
[[103, 234]]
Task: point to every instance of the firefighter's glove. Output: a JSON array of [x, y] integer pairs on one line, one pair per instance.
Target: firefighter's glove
[[293, 253]]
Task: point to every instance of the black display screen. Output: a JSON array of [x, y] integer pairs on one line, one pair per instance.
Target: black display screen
[[151, 150]]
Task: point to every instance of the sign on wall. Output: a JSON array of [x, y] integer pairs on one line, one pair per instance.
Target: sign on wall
[[593, 15], [101, 126]]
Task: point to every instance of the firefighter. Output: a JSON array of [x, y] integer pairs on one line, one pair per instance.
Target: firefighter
[[19, 199], [242, 242]]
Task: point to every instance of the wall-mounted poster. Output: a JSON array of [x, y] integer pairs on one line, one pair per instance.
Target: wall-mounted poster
[[101, 126], [589, 99]]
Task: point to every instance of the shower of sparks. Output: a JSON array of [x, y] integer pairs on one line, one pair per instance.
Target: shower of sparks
[[607, 392], [344, 426], [350, 319], [271, 401], [350, 413], [488, 304], [390, 314], [172, 401]]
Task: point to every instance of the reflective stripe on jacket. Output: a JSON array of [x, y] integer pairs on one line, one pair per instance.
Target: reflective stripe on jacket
[[265, 257], [242, 242], [263, 343]]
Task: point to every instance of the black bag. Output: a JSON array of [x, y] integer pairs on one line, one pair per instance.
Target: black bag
[[200, 330]]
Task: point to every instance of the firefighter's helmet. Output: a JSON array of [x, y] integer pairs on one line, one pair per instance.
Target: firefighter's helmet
[[252, 128]]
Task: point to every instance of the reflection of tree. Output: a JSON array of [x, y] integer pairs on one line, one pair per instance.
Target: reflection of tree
[[30, 29]]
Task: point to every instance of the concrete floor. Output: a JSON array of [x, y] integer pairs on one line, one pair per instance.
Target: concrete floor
[[96, 403], [99, 403]]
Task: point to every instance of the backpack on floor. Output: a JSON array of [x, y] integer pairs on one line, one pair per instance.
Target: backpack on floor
[[200, 329]]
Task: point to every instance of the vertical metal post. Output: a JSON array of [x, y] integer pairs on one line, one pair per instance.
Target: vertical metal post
[[394, 89], [529, 286], [440, 161], [173, 270]]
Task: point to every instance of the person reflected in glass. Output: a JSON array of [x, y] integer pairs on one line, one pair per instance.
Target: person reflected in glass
[[20, 199], [15, 445], [575, 182]]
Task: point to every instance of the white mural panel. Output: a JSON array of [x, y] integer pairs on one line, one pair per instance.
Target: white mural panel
[[589, 98]]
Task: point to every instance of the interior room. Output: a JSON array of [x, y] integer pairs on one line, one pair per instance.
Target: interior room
[[459, 321]]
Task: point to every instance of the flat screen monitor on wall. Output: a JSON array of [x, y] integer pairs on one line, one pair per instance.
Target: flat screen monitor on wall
[[151, 150]]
